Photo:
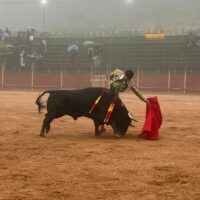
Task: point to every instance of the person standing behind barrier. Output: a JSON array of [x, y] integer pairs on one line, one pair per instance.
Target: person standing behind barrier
[[22, 58], [7, 32], [73, 57], [99, 55], [1, 35], [90, 55], [44, 42]]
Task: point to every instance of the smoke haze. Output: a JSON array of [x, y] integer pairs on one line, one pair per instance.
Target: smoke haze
[[99, 15]]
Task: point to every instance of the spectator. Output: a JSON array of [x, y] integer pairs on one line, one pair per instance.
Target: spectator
[[31, 36], [97, 57], [44, 42], [22, 58], [31, 39], [90, 55], [7, 32], [73, 56], [1, 34]]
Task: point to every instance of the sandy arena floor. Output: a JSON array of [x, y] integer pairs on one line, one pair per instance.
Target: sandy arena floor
[[71, 163]]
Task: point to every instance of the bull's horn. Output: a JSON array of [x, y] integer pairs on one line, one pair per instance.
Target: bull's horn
[[131, 117], [132, 125]]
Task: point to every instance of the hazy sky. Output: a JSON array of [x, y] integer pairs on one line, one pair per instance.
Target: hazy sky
[[99, 15]]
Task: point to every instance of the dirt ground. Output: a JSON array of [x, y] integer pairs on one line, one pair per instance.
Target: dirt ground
[[71, 163]]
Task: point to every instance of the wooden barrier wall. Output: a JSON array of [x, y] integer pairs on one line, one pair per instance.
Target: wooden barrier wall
[[161, 82]]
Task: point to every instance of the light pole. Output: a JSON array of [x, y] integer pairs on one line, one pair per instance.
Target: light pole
[[44, 2], [129, 2]]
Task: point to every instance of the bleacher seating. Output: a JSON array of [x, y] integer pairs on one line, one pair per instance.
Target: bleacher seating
[[124, 51], [127, 51]]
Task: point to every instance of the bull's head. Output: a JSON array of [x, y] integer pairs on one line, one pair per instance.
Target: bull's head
[[121, 119]]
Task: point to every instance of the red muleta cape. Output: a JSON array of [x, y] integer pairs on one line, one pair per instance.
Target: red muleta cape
[[153, 120]]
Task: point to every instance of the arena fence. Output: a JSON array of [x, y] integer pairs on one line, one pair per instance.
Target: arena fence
[[179, 79]]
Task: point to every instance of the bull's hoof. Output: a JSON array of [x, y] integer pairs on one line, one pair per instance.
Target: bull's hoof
[[42, 135], [97, 134], [117, 134]]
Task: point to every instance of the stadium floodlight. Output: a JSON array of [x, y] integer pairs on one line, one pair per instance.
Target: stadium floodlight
[[129, 1], [44, 2]]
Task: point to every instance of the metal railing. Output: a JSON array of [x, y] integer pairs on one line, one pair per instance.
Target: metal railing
[[184, 80]]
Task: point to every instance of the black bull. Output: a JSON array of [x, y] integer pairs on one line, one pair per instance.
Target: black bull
[[77, 103]]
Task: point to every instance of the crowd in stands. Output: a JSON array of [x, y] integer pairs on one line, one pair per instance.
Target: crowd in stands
[[193, 39], [29, 46], [22, 50]]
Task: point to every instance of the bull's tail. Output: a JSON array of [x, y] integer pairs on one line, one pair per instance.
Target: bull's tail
[[39, 102]]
